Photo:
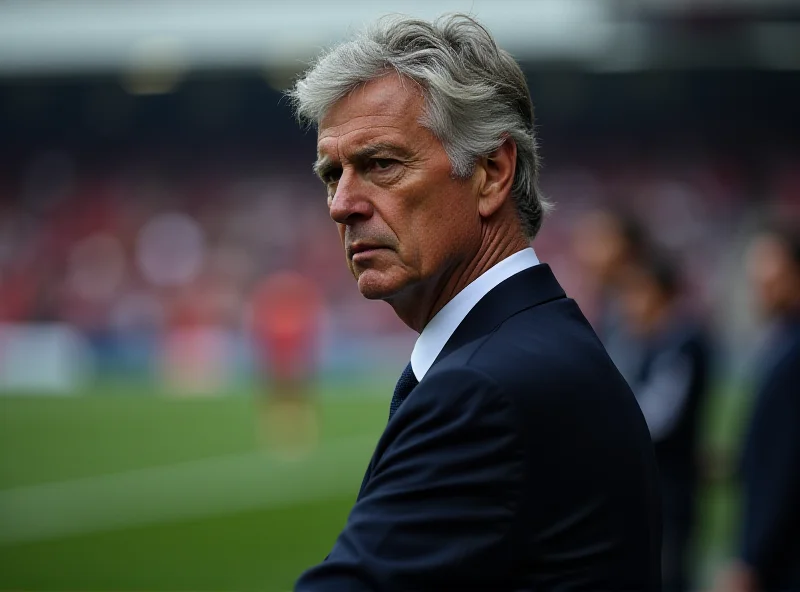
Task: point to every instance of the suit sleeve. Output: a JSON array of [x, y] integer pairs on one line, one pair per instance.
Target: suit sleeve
[[772, 483], [438, 510]]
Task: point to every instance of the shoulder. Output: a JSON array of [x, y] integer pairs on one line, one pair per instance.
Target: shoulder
[[551, 347], [547, 368]]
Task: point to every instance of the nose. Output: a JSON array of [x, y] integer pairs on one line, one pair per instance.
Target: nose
[[350, 203]]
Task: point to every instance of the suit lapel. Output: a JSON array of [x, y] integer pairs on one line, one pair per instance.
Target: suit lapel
[[526, 289]]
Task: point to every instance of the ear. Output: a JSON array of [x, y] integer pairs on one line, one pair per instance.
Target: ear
[[497, 177]]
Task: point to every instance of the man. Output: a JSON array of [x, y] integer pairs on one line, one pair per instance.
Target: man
[[515, 457], [769, 551], [606, 242], [287, 309], [670, 382]]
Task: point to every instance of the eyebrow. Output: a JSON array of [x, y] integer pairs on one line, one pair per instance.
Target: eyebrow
[[325, 165]]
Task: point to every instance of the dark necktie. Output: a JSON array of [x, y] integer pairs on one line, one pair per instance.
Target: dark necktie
[[405, 384]]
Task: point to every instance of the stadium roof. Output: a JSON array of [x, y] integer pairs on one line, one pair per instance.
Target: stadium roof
[[84, 36]]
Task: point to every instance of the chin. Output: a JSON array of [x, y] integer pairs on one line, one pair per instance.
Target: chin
[[375, 285]]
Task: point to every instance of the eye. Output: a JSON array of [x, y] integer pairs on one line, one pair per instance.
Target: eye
[[383, 163], [331, 176]]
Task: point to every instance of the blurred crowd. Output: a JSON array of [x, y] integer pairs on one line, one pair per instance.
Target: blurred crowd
[[129, 215], [137, 247]]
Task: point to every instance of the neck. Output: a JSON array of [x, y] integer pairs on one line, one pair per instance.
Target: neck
[[420, 303]]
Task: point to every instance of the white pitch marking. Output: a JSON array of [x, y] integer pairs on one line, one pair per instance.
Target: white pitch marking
[[184, 490]]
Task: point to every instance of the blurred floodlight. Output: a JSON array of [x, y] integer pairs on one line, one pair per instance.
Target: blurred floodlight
[[281, 79], [777, 45], [156, 66]]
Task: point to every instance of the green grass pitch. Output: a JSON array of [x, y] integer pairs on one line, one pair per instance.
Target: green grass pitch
[[121, 491]]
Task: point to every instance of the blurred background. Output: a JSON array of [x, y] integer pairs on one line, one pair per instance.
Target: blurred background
[[152, 179]]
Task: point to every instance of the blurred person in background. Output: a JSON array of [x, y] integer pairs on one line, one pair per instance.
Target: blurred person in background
[[515, 455], [769, 547], [670, 382], [605, 241], [287, 308]]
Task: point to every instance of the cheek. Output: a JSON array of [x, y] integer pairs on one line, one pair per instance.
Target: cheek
[[435, 235], [433, 220], [462, 222], [341, 228]]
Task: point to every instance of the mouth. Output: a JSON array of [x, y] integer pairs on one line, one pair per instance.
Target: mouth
[[364, 250]]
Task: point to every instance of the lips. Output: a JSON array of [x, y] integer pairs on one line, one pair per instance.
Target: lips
[[357, 248], [360, 253]]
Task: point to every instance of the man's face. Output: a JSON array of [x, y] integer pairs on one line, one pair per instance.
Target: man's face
[[402, 218], [640, 298], [598, 245]]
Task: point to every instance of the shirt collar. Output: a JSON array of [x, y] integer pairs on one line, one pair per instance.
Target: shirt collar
[[441, 327]]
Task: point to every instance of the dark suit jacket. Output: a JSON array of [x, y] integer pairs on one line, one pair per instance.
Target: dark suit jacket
[[680, 358], [771, 468], [520, 462], [671, 384]]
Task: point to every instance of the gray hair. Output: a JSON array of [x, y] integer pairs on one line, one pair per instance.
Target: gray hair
[[476, 95]]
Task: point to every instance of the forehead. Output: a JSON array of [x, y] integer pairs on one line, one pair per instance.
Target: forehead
[[388, 108]]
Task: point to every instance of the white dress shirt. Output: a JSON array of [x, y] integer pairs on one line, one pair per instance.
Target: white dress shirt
[[436, 333]]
